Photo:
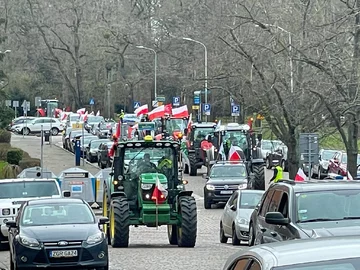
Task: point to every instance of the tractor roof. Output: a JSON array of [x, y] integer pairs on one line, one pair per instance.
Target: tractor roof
[[204, 125], [148, 142]]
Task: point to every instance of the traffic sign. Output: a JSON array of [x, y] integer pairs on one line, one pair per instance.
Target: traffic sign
[[92, 101], [26, 106], [77, 125], [155, 103], [195, 107], [8, 103], [235, 110], [136, 104], [37, 101], [160, 98], [196, 100], [206, 108], [176, 101], [15, 103]]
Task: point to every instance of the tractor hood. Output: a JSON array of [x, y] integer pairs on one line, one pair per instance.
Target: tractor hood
[[150, 178]]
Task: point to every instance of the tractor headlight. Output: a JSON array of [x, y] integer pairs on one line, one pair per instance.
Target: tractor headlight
[[6, 212], [146, 186], [210, 187]]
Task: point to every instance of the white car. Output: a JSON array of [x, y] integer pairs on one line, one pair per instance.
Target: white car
[[46, 123], [14, 192]]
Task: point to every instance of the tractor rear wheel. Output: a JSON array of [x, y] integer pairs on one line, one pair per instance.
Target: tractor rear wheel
[[119, 223], [259, 174], [193, 167], [172, 234], [186, 233]]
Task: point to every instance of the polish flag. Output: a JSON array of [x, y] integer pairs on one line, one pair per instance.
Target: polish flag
[[218, 126], [118, 130], [300, 176], [157, 112], [41, 112], [144, 109], [233, 154], [168, 109], [85, 116], [180, 112], [98, 113], [190, 122], [160, 193], [63, 116], [81, 111]]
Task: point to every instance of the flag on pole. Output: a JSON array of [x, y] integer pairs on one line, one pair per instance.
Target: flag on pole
[[160, 193], [157, 113], [86, 116], [218, 125], [300, 176], [222, 152], [233, 154], [81, 111], [168, 109], [144, 109], [180, 112], [98, 113], [190, 122]]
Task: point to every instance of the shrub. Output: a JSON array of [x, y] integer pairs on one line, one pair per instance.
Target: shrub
[[25, 155], [14, 155], [5, 136], [10, 171], [4, 148], [29, 163]]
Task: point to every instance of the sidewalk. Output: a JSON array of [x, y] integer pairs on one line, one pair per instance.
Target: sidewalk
[[56, 159]]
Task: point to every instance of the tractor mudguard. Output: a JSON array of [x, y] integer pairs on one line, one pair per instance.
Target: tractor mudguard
[[117, 194], [257, 161], [185, 193]]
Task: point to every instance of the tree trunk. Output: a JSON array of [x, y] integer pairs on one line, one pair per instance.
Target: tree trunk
[[292, 154]]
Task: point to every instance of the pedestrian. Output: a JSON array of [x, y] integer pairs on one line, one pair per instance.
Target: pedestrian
[[278, 174]]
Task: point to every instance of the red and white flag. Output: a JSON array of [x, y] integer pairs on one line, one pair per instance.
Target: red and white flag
[[85, 116], [160, 193], [81, 111], [144, 109], [98, 113], [190, 122], [157, 112], [63, 116], [300, 176], [180, 112], [168, 109], [233, 154]]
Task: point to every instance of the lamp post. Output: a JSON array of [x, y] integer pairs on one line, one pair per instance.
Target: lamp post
[[290, 54], [155, 66], [206, 67]]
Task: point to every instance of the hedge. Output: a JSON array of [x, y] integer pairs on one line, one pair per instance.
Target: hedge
[[14, 155], [29, 163], [5, 136], [4, 148]]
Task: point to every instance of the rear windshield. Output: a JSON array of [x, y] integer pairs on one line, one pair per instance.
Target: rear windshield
[[343, 264], [27, 189]]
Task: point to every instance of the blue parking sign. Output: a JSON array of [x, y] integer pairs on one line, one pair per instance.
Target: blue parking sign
[[206, 108], [176, 101], [235, 110]]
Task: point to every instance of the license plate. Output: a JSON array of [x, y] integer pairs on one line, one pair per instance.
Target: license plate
[[226, 192], [63, 253]]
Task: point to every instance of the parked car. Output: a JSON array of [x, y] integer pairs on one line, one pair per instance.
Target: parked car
[[73, 118], [35, 126], [18, 121], [78, 137], [223, 180], [84, 142], [60, 233], [66, 137], [333, 253], [93, 148], [235, 218], [92, 121], [103, 155], [311, 209], [321, 169], [338, 164], [103, 130]]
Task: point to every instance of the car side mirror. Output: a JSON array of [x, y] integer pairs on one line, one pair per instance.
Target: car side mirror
[[11, 224], [103, 220], [233, 207], [276, 218]]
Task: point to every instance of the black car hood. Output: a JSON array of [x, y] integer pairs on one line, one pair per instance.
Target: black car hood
[[331, 228], [73, 232], [227, 181]]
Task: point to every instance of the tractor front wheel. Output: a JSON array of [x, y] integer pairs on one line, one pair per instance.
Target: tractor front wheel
[[193, 167], [172, 234], [119, 223], [186, 232], [259, 177]]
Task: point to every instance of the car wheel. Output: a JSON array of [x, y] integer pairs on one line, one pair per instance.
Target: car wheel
[[54, 131], [234, 239], [251, 236], [319, 173], [223, 238], [25, 131], [207, 204]]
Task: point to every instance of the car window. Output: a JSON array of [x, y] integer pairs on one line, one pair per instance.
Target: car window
[[228, 171], [342, 264], [230, 201], [265, 205], [241, 264], [249, 200], [254, 266], [235, 202], [38, 121], [275, 201], [27, 189], [284, 205], [344, 158]]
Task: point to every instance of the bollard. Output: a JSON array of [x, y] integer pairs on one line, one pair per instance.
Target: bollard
[[77, 152]]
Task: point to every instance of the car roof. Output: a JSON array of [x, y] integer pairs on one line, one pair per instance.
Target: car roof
[[221, 164], [252, 191], [204, 124], [306, 250], [55, 201], [321, 185], [14, 180]]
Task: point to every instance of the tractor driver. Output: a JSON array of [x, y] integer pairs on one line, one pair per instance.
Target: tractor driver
[[146, 165]]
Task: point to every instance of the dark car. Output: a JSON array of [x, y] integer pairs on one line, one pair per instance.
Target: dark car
[[336, 253], [92, 149], [84, 142], [77, 136], [104, 130], [104, 159], [66, 137], [311, 209], [60, 233], [92, 121], [223, 180]]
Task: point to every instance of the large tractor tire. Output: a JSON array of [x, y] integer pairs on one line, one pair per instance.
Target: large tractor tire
[[119, 223], [172, 234], [193, 167], [259, 175], [187, 231]]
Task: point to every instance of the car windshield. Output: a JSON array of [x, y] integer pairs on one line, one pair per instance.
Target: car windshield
[[343, 264], [200, 133], [105, 125], [174, 125], [57, 214], [95, 144], [327, 155], [75, 133], [228, 171], [328, 205], [237, 138], [266, 145], [248, 200], [28, 189], [88, 139], [75, 117], [95, 119]]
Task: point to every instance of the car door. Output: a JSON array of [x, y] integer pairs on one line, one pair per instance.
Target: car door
[[226, 220], [36, 127], [259, 220]]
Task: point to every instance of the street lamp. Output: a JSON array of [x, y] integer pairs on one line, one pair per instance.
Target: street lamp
[[155, 64], [206, 64], [290, 54]]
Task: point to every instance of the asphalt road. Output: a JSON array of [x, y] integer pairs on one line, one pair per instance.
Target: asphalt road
[[149, 248]]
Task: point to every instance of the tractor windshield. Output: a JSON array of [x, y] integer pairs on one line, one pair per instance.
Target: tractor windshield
[[200, 133], [238, 138], [175, 125]]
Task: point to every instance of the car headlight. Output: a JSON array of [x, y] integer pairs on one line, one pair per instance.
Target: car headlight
[[5, 212], [95, 238], [146, 186], [242, 186], [243, 221], [210, 187], [29, 242]]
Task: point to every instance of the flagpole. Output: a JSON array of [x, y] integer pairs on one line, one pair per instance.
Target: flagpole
[[156, 209]]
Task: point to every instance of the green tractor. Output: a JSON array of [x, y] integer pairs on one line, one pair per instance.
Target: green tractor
[[142, 191]]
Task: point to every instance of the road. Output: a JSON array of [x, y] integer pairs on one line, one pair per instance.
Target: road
[[149, 248]]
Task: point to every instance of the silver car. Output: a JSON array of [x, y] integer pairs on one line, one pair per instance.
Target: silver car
[[234, 222], [321, 169]]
